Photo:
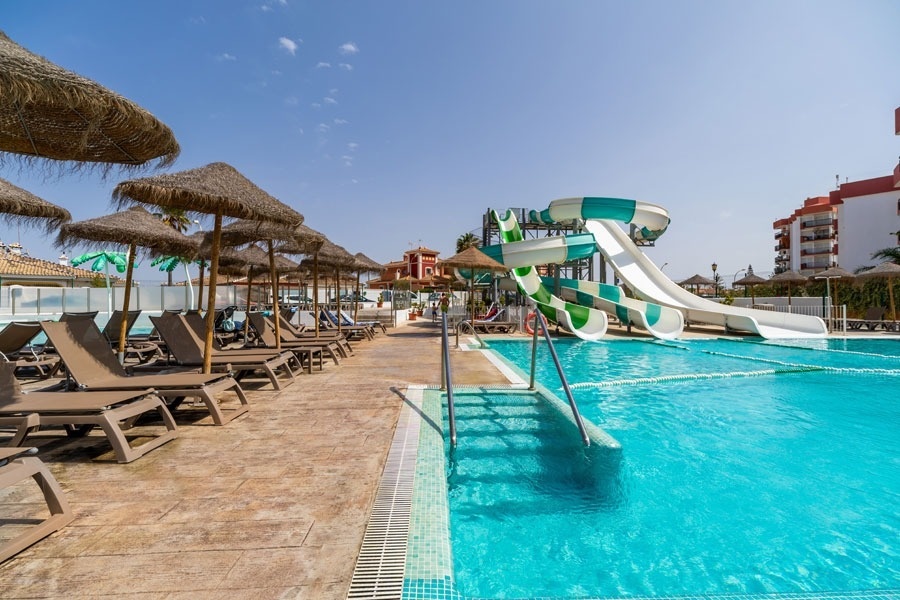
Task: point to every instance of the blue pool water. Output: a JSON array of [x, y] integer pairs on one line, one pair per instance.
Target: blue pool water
[[745, 468]]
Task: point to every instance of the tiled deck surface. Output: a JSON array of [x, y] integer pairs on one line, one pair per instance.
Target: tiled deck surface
[[272, 505]]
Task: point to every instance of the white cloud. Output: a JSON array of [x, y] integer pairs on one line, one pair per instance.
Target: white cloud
[[265, 8], [323, 128], [323, 65], [341, 121], [316, 105], [348, 48], [226, 57], [345, 66], [288, 44], [292, 101], [329, 100], [197, 21], [354, 180], [348, 160], [353, 146], [333, 91]]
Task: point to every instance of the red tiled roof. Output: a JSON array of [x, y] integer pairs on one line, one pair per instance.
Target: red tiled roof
[[17, 265]]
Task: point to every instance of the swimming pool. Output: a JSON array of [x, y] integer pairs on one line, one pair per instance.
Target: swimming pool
[[745, 468]]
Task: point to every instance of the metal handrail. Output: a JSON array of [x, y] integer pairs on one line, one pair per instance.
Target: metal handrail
[[468, 325], [446, 377], [540, 324]]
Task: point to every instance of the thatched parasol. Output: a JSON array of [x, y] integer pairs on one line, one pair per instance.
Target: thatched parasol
[[835, 273], [245, 232], [364, 264], [337, 258], [887, 270], [217, 188], [133, 227], [788, 277], [51, 113], [20, 205], [696, 280], [751, 281], [473, 260]]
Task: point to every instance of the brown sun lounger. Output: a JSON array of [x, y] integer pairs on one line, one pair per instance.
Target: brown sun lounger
[[17, 465], [290, 332], [143, 350], [80, 411], [187, 349], [93, 366], [310, 348], [14, 348]]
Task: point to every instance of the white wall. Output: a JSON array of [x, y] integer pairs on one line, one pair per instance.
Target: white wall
[[864, 226]]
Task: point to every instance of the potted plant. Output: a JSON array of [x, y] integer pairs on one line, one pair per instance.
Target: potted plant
[[412, 314], [420, 308], [380, 301]]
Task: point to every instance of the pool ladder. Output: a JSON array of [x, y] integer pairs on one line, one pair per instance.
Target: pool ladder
[[541, 324], [446, 377]]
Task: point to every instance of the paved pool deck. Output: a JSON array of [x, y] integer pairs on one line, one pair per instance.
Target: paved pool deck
[[271, 505]]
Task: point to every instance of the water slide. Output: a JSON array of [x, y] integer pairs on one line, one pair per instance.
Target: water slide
[[591, 301], [646, 280]]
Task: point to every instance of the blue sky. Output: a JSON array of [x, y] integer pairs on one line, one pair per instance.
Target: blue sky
[[389, 124]]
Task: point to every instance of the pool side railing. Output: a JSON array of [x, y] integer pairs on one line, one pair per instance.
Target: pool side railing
[[542, 326], [447, 377]]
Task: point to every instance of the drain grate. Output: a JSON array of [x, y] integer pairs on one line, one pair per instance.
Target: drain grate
[[382, 557]]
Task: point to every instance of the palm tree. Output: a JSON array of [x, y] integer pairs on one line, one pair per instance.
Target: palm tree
[[177, 219], [891, 254], [467, 240]]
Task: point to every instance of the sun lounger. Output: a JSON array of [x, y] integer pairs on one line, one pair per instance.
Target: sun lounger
[[873, 318], [290, 332], [330, 322], [92, 365], [80, 411], [14, 348], [374, 326], [187, 348], [311, 349], [143, 351], [495, 324], [17, 465]]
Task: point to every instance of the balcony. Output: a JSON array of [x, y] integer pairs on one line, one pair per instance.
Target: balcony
[[817, 222], [816, 252]]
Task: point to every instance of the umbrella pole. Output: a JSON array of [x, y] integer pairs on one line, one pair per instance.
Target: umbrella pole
[[275, 315], [316, 291], [337, 291], [200, 291], [211, 302], [891, 296], [123, 327], [356, 300], [247, 315], [472, 296]]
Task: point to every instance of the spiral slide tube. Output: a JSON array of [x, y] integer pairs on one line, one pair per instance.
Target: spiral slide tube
[[647, 281], [586, 323]]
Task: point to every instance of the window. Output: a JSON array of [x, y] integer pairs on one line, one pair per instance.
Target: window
[[428, 271]]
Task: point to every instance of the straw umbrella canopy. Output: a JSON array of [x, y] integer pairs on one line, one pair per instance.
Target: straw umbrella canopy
[[364, 264], [133, 227], [836, 273], [21, 205], [888, 270], [219, 189], [788, 277], [244, 232], [473, 260], [751, 281], [332, 256], [696, 280], [51, 113]]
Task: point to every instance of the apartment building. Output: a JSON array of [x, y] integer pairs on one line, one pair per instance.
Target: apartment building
[[842, 229]]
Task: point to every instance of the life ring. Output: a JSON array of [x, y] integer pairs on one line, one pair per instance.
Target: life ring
[[531, 316]]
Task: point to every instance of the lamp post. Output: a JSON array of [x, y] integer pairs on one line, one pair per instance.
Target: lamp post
[[715, 281], [734, 278], [663, 266]]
